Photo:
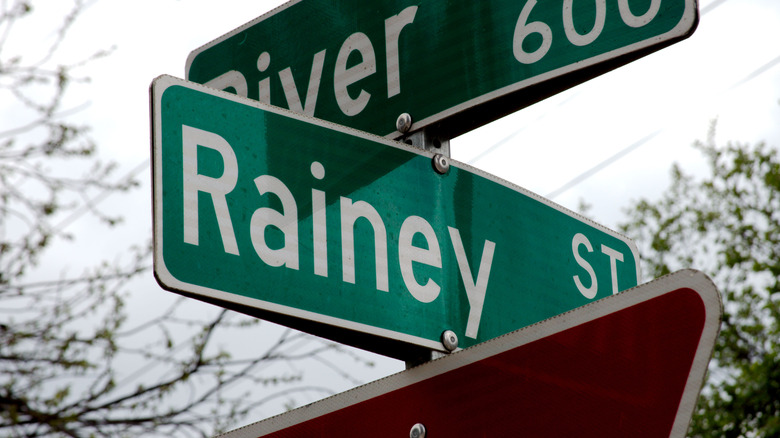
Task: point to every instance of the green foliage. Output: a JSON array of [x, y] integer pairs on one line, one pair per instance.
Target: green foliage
[[727, 224]]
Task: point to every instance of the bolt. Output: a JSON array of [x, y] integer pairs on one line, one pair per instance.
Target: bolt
[[403, 123], [441, 163], [449, 339], [418, 431]]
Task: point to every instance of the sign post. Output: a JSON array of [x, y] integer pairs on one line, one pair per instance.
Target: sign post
[[357, 238], [452, 65], [628, 365]]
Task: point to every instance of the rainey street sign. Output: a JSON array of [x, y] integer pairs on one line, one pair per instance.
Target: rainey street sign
[[453, 65], [355, 237], [631, 365]]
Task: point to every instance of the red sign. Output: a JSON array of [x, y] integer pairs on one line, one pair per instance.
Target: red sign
[[627, 365]]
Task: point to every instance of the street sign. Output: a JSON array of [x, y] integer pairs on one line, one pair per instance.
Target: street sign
[[452, 65], [628, 365], [355, 237]]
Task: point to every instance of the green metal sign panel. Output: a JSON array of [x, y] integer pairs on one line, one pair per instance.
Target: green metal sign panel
[[336, 231], [453, 65]]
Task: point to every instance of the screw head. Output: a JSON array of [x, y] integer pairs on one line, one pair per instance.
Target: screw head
[[418, 431], [403, 123], [449, 339], [441, 163]]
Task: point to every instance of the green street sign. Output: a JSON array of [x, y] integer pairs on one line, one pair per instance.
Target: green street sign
[[355, 237], [452, 65]]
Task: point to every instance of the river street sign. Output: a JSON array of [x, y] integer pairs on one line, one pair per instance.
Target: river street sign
[[355, 237], [452, 65], [631, 365]]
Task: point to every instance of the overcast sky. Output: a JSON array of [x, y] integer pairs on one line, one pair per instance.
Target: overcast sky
[[729, 70]]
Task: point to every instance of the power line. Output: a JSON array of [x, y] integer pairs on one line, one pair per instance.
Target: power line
[[625, 151], [142, 166], [585, 175], [712, 6], [757, 72], [506, 139], [597, 168], [514, 134]]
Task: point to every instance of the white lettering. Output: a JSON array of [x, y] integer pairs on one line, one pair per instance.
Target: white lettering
[[614, 257], [264, 85], [350, 212], [218, 188], [291, 91], [344, 77], [588, 292], [319, 224], [408, 253], [393, 27], [568, 23], [638, 21], [523, 29], [475, 291], [232, 79], [287, 222]]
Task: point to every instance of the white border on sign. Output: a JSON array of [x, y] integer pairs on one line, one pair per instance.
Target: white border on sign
[[689, 278], [686, 23], [157, 89]]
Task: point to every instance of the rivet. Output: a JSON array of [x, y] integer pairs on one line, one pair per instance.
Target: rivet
[[403, 123], [418, 431], [450, 340], [441, 163]]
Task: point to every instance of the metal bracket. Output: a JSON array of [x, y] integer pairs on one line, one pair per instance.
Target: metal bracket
[[429, 356], [423, 140]]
